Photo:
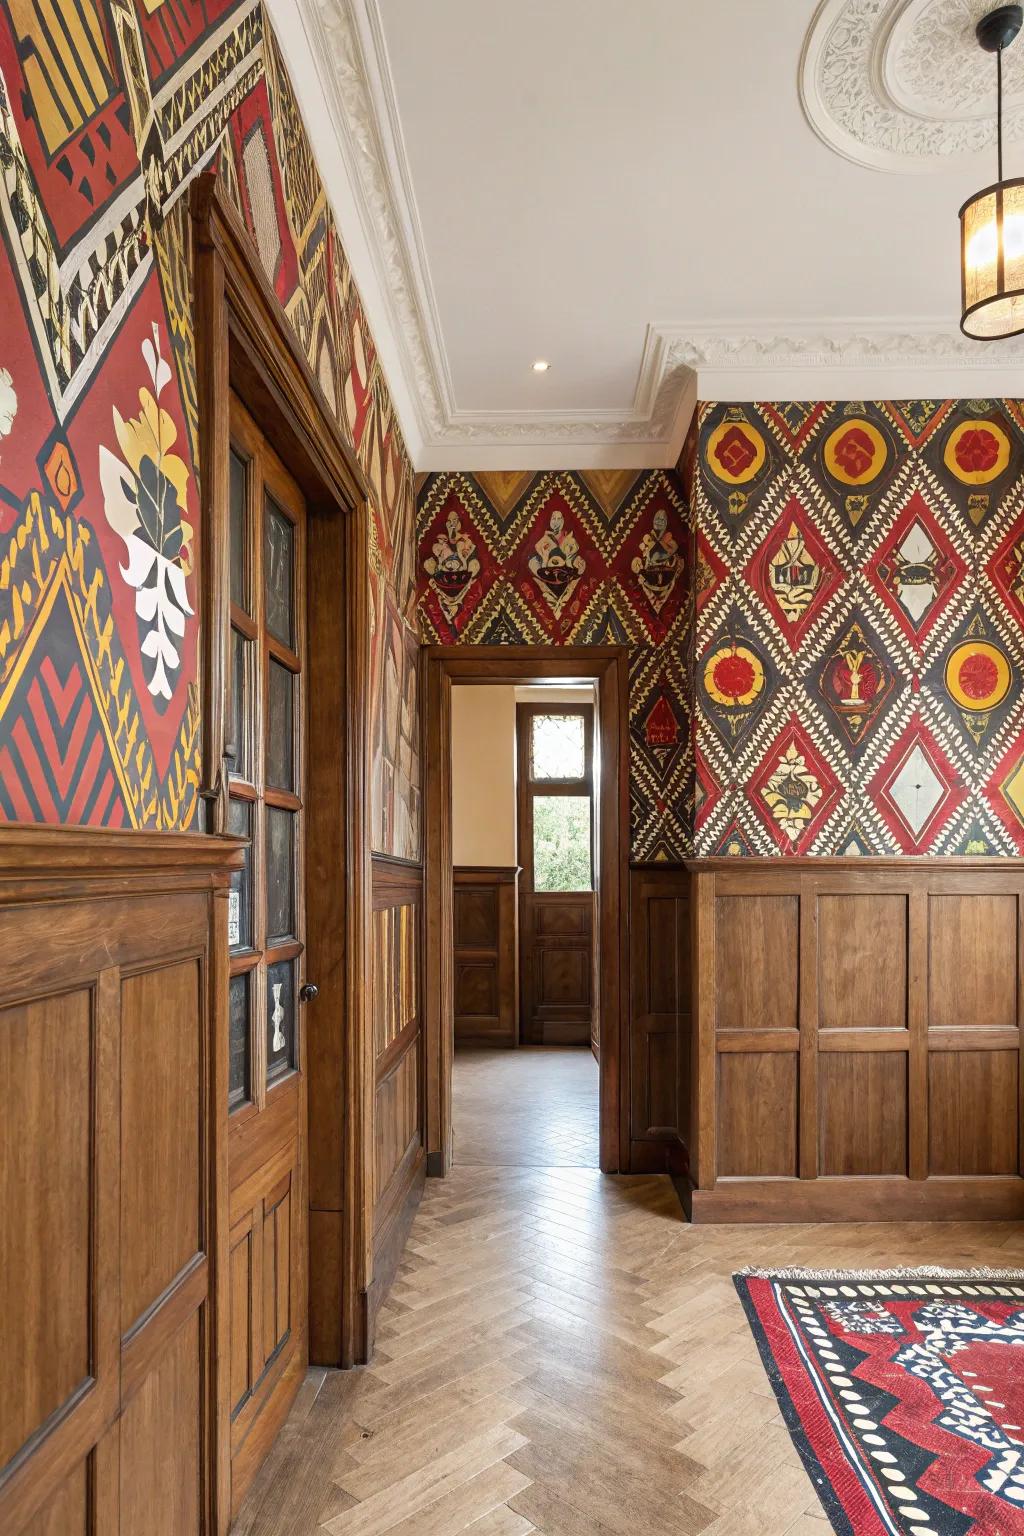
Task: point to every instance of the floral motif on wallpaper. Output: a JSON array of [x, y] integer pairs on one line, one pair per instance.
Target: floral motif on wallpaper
[[858, 640], [98, 499], [589, 558]]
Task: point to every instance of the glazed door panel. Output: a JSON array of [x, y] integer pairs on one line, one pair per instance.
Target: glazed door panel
[[555, 746], [265, 762]]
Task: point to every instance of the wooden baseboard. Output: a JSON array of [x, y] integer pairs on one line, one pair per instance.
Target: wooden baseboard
[[858, 1199]]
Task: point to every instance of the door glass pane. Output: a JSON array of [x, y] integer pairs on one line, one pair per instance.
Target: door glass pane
[[561, 843], [280, 770], [280, 857], [557, 747], [238, 751], [240, 894], [278, 560], [237, 532], [280, 1018], [238, 1035]]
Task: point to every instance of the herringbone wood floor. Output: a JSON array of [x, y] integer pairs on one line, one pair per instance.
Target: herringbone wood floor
[[562, 1353]]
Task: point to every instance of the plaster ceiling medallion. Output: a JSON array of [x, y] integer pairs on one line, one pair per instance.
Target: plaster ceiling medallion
[[901, 85]]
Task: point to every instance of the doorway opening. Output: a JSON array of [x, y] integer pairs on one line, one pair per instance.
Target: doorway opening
[[526, 879], [525, 835]]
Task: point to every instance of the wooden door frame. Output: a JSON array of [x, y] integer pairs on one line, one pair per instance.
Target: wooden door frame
[[245, 345], [607, 667]]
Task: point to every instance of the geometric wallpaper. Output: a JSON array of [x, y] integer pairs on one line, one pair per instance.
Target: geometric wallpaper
[[859, 631], [108, 111], [598, 557]]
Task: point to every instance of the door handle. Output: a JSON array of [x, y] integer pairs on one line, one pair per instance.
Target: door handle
[[308, 991]]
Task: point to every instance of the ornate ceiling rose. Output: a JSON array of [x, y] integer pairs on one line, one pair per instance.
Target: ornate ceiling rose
[[901, 85]]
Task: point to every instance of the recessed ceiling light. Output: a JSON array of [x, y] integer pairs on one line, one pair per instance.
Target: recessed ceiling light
[[540, 366]]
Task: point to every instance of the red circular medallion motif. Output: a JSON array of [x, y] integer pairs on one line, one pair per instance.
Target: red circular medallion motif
[[733, 676], [976, 450], [978, 676], [854, 451], [735, 451]]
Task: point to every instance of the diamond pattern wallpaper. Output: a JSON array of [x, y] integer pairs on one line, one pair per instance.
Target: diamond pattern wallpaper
[[109, 109], [858, 645], [590, 558]]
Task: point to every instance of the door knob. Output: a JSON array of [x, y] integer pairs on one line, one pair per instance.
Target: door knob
[[307, 992]]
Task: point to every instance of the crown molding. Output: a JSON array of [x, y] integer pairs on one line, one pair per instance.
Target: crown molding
[[336, 55]]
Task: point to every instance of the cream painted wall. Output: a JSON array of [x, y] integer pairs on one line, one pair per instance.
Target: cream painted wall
[[484, 775], [484, 768]]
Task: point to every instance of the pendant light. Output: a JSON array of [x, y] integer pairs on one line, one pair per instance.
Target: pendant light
[[992, 221]]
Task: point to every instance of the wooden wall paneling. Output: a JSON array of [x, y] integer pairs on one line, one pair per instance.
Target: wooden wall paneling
[[899, 1096], [112, 1040], [807, 1016], [862, 1122], [399, 1107], [917, 1020], [485, 980], [659, 1032]]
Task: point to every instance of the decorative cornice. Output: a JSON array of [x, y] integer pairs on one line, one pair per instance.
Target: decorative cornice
[[901, 85], [351, 113]]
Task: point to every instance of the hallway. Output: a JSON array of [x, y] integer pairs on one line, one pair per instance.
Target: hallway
[[532, 1107], [561, 1353]]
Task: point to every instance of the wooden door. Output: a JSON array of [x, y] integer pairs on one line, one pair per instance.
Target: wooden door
[[267, 1097], [555, 787]]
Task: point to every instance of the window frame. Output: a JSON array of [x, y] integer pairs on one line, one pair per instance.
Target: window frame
[[528, 788]]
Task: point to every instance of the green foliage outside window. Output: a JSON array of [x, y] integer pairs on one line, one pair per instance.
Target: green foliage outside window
[[561, 843]]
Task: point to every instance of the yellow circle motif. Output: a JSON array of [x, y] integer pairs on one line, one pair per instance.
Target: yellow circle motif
[[977, 452], [855, 453], [733, 675], [977, 675], [735, 452]]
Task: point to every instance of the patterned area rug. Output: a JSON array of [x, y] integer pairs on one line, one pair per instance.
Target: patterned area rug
[[903, 1392]]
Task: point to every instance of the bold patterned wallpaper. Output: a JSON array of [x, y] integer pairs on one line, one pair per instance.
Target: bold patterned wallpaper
[[859, 653], [108, 110], [594, 558]]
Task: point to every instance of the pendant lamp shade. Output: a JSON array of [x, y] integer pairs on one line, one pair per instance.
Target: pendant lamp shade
[[992, 221]]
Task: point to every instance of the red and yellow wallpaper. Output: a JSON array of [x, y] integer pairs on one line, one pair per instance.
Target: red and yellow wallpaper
[[858, 642], [108, 110], [592, 558]]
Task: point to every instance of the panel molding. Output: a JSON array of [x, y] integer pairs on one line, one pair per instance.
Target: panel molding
[[891, 1104]]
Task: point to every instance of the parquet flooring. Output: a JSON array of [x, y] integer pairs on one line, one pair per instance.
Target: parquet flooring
[[533, 1107], [562, 1353]]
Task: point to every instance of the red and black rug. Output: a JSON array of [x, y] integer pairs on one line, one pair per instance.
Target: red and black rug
[[903, 1392]]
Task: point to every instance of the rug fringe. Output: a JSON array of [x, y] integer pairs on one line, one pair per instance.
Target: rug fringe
[[919, 1272]]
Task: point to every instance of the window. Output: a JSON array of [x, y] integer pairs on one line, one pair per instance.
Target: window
[[556, 789], [264, 761]]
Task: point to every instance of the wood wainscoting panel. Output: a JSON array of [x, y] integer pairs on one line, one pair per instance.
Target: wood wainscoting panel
[[972, 1112], [851, 993], [659, 1018], [758, 958], [973, 961], [862, 1112], [399, 1161], [757, 1114], [486, 962], [113, 1053], [856, 1039]]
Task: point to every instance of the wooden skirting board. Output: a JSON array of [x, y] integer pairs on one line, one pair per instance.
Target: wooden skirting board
[[855, 1050]]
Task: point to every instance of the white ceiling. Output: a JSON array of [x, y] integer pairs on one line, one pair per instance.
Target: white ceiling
[[634, 192]]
